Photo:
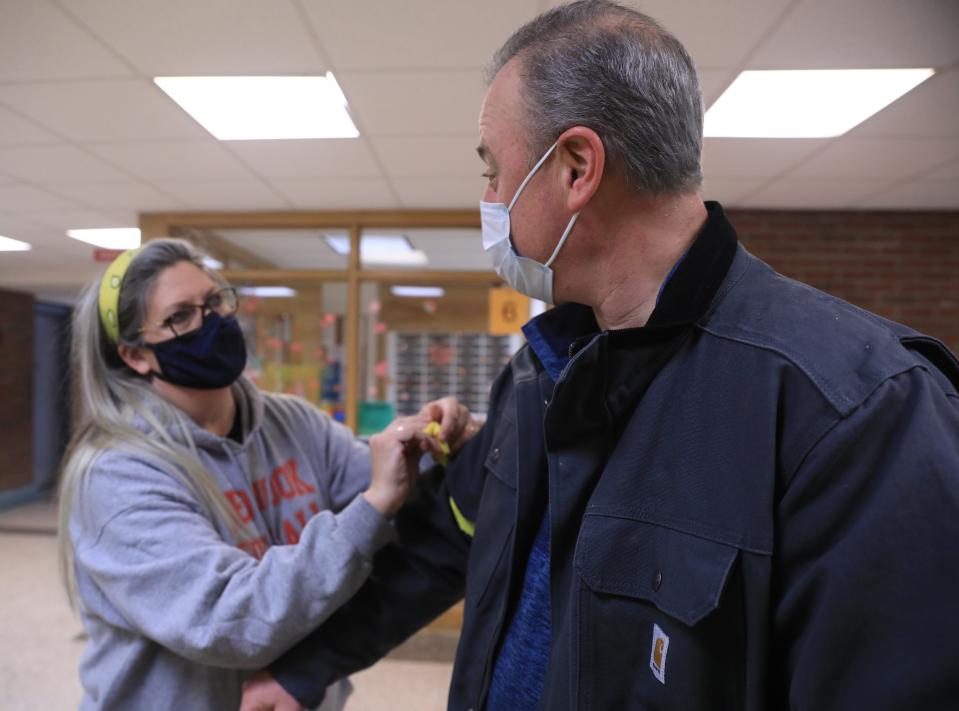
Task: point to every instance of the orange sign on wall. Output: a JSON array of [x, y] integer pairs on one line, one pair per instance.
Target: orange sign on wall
[[508, 311]]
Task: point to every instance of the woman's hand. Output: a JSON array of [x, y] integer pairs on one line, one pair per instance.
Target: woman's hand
[[396, 454], [457, 426], [262, 693]]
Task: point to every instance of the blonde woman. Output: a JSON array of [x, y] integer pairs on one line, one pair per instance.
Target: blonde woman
[[206, 527]]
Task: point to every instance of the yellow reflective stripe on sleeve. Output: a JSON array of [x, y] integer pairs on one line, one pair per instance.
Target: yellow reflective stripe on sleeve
[[466, 526]]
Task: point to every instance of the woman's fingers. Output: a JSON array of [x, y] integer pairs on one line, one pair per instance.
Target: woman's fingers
[[445, 411], [460, 428]]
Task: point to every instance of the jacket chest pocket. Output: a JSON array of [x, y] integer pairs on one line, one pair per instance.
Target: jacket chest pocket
[[494, 521], [660, 618]]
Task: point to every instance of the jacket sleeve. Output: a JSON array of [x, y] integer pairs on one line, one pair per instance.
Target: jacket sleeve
[[166, 573], [867, 560], [415, 578]]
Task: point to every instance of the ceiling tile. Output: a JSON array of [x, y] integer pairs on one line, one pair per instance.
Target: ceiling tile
[[64, 163], [369, 34], [24, 198], [213, 37], [931, 109], [860, 34], [948, 172], [319, 158], [127, 195], [123, 110], [461, 193], [198, 160], [415, 103], [338, 193], [14, 224], [39, 42], [716, 34], [730, 191], [755, 157], [918, 195], [429, 157], [83, 219], [18, 131], [825, 194], [216, 195], [874, 158]]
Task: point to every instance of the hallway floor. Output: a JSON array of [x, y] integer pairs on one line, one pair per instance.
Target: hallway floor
[[41, 640]]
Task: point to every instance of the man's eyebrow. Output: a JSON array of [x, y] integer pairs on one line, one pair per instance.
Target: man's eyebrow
[[485, 154]]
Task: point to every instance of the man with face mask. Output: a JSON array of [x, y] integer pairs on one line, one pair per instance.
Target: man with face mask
[[701, 485]]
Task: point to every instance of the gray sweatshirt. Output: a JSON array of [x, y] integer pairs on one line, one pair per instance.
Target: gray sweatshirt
[[177, 613]]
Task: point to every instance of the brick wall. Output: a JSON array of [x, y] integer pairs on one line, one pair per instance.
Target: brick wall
[[16, 390], [901, 265]]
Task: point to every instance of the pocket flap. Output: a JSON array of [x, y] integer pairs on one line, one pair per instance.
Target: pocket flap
[[501, 458], [681, 574]]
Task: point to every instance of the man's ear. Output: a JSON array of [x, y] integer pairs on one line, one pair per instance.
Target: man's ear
[[583, 159], [135, 357]]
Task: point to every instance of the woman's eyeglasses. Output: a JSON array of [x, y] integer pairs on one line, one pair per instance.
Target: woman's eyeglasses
[[189, 317]]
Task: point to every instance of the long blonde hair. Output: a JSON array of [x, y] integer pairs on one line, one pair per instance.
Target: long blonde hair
[[107, 396]]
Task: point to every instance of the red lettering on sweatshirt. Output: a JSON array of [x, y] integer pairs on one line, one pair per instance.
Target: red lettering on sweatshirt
[[241, 504], [301, 518], [261, 493], [290, 534], [283, 484], [299, 485]]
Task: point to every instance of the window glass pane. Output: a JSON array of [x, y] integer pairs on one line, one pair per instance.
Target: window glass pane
[[423, 249], [414, 349], [296, 342], [272, 248]]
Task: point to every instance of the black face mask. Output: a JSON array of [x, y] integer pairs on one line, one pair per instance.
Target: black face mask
[[209, 358]]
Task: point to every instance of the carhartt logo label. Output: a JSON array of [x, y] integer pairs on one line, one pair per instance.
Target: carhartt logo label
[[657, 655]]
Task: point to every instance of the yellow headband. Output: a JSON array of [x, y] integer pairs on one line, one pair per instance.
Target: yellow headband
[[110, 293]]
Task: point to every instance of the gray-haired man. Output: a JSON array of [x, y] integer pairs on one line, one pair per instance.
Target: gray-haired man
[[702, 485]]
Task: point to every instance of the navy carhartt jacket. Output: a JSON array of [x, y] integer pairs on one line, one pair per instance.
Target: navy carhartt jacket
[[753, 501]]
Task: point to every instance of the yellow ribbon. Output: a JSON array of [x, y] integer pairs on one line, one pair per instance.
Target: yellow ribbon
[[109, 300], [465, 525], [433, 430]]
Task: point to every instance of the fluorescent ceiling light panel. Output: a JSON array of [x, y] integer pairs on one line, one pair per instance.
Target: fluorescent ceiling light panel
[[816, 103], [420, 292], [259, 108], [8, 244], [268, 292], [109, 237]]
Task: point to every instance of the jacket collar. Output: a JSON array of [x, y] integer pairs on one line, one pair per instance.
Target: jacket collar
[[684, 298]]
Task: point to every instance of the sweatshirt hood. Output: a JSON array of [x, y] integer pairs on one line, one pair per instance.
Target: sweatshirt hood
[[249, 404]]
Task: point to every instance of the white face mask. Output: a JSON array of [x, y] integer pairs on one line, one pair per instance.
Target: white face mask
[[525, 275]]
